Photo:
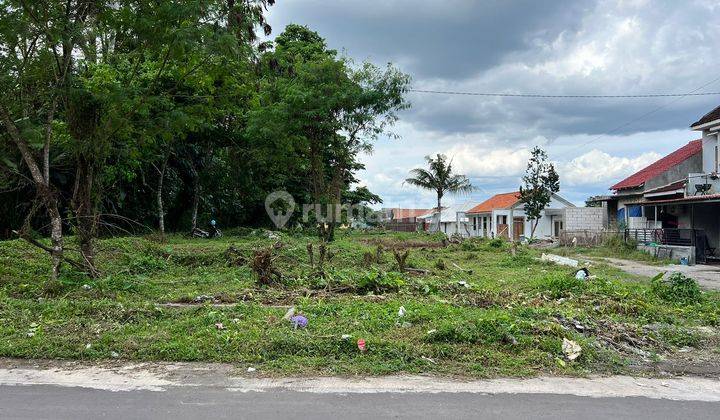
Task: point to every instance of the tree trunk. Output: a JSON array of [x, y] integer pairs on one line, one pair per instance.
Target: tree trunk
[[41, 178], [56, 238], [439, 210], [161, 210], [196, 197], [534, 226], [85, 212]]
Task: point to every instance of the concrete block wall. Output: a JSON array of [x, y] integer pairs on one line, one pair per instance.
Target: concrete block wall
[[585, 218]]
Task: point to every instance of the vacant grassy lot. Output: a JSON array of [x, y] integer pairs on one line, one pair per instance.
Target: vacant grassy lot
[[478, 310]]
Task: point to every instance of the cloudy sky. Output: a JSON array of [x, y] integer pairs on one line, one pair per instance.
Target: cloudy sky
[[545, 47]]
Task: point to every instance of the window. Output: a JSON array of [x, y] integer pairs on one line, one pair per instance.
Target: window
[[474, 223]]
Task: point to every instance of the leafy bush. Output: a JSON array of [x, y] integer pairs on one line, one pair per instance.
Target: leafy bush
[[618, 244], [496, 243], [380, 282], [472, 244], [560, 285], [677, 288], [680, 337]]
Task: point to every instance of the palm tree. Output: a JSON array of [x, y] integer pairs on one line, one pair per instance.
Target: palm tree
[[439, 177]]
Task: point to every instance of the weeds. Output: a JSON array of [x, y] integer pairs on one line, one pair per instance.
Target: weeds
[[380, 282], [559, 285], [263, 266], [401, 259], [476, 310], [677, 288]]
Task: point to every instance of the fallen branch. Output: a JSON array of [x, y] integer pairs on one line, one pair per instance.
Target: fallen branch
[[33, 241], [462, 269], [416, 270]]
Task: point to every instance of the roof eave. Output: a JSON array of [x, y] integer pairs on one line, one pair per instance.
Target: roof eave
[[700, 127]]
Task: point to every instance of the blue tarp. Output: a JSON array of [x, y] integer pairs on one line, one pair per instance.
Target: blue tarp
[[621, 215], [635, 211]]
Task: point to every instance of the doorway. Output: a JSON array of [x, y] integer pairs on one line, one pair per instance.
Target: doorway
[[518, 227]]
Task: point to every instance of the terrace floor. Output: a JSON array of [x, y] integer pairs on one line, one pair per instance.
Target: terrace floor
[[708, 276]]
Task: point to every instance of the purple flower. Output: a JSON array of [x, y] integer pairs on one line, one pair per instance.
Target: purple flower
[[299, 321]]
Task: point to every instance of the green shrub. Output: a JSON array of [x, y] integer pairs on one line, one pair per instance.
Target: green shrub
[[472, 244], [618, 244], [676, 288], [560, 285], [380, 282], [680, 337], [496, 243]]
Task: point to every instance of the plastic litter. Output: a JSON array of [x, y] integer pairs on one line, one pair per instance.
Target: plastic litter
[[582, 274], [401, 311], [86, 286], [346, 336], [289, 314], [114, 355], [431, 332], [251, 369], [299, 321], [571, 349], [464, 284], [219, 326], [361, 345], [87, 346], [557, 259]]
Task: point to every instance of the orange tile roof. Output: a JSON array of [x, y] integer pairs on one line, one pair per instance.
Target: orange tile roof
[[399, 213], [675, 158], [498, 201]]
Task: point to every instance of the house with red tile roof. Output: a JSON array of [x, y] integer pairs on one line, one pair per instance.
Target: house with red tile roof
[[503, 216], [675, 201], [403, 219]]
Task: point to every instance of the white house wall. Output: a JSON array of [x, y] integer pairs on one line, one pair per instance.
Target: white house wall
[[451, 228], [710, 142], [543, 230]]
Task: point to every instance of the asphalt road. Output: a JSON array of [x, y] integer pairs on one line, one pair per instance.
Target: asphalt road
[[177, 403]]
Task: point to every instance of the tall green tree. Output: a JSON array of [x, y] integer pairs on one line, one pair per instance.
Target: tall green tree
[[439, 177], [539, 184], [100, 82], [321, 110]]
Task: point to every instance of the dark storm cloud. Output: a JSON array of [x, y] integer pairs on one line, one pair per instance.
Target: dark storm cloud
[[546, 47], [432, 38], [533, 47]]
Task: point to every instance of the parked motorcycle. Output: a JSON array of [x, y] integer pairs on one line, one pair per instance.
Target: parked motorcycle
[[212, 232]]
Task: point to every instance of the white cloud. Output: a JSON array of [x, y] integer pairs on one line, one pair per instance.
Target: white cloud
[[482, 161], [599, 168], [595, 47]]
